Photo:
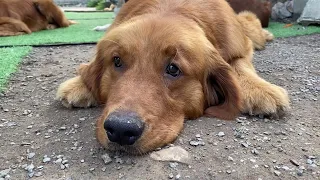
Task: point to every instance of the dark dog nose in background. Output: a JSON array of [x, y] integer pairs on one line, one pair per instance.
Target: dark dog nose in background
[[123, 127]]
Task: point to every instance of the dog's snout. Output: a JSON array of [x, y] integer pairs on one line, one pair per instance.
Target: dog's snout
[[123, 127]]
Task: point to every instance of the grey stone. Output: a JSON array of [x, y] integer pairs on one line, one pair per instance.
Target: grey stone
[[106, 158], [173, 164], [277, 173], [309, 161], [282, 10], [31, 155], [46, 159], [311, 13], [175, 153], [221, 134], [30, 168], [4, 173], [300, 172], [38, 174], [294, 162]]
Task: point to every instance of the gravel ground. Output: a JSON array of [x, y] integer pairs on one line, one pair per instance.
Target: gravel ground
[[39, 139]]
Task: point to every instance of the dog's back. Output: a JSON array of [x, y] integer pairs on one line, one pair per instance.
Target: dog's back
[[24, 11]]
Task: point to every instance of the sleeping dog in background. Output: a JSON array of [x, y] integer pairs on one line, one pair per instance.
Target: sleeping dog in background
[[19, 17]]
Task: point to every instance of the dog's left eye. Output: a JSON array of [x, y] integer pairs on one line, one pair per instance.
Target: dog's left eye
[[173, 70], [117, 61]]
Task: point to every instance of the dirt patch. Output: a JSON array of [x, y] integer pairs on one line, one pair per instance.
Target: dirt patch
[[249, 148]]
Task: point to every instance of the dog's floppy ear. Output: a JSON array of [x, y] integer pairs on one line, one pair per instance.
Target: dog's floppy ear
[[222, 90]]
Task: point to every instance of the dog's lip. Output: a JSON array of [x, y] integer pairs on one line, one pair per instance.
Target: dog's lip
[[131, 149]]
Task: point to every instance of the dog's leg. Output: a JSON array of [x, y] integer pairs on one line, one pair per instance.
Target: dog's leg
[[253, 29], [259, 96], [74, 93], [12, 27]]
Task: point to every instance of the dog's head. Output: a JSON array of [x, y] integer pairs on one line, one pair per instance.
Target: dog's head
[[152, 73]]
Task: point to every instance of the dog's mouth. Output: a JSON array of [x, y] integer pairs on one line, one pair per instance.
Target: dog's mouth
[[134, 149]]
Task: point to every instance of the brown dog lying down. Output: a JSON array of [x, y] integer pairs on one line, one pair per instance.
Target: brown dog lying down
[[25, 16], [165, 61], [262, 8]]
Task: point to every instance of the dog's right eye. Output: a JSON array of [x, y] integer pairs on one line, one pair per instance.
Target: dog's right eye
[[117, 61]]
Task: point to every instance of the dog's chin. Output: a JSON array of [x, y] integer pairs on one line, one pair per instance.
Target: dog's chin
[[130, 149]]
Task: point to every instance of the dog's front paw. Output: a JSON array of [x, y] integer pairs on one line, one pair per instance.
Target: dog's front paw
[[74, 93], [271, 101]]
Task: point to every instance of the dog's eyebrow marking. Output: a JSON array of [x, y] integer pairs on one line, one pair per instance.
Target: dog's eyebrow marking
[[175, 54], [113, 41]]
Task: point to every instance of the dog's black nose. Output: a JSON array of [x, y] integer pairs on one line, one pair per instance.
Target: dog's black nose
[[123, 127]]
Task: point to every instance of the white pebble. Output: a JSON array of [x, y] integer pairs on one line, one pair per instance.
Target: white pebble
[[221, 134]]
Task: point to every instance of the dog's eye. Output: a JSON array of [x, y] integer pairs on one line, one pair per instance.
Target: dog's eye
[[173, 70], [117, 61]]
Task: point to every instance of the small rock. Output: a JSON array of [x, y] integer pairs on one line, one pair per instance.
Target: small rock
[[277, 173], [64, 162], [58, 161], [245, 145], [294, 162], [82, 160], [103, 169], [229, 171], [30, 168], [194, 143], [198, 136], [230, 158], [31, 155], [46, 159], [62, 167], [119, 160], [176, 153], [4, 173], [106, 159], [286, 168], [62, 128], [309, 161], [30, 174], [300, 172], [38, 174], [221, 134], [173, 164], [91, 169], [311, 157], [178, 176], [171, 176], [255, 151]]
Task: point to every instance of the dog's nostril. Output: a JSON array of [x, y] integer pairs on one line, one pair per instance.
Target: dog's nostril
[[110, 130]]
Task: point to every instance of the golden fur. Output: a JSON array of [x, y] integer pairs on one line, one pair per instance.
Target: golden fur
[[19, 17], [211, 45]]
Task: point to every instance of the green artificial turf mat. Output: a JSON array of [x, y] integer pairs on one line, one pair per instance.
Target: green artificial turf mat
[[77, 33], [279, 30], [89, 15], [9, 60]]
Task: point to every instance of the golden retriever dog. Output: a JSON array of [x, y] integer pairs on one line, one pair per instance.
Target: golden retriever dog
[[164, 61], [19, 17]]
